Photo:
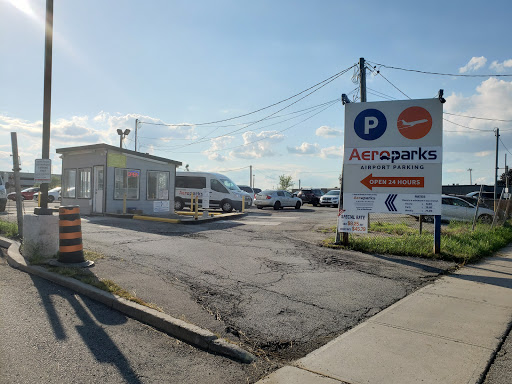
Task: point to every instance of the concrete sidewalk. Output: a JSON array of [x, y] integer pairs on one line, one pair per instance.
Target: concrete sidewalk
[[447, 332]]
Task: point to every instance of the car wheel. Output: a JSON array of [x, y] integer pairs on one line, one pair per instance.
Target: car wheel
[[259, 207], [297, 206], [277, 205], [226, 206], [178, 204], [315, 203], [51, 198], [486, 219], [428, 219]]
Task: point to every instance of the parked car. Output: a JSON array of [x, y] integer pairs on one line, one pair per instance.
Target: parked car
[[455, 208], [3, 194], [310, 195], [26, 194], [485, 195], [249, 190], [53, 195], [276, 199], [331, 198]]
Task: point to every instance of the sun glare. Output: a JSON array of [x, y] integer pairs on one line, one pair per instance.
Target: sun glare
[[23, 6]]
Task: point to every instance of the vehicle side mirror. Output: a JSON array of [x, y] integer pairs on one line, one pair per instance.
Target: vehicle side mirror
[[7, 185]]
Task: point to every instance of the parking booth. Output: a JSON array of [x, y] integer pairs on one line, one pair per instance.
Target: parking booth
[[102, 178]]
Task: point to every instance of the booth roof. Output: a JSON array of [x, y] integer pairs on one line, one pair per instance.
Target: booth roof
[[116, 149]]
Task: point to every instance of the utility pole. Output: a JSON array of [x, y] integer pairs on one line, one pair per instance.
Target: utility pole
[[250, 177], [362, 79], [47, 103], [470, 179], [136, 126], [16, 169], [496, 169]]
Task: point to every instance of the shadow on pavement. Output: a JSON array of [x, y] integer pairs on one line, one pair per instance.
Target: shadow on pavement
[[92, 334]]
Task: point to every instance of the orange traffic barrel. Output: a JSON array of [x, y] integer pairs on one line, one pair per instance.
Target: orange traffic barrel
[[71, 249]]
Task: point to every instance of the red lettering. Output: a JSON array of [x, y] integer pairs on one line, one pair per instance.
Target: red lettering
[[366, 155], [355, 154]]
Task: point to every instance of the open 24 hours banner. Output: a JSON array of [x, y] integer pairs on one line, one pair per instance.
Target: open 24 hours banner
[[393, 157]]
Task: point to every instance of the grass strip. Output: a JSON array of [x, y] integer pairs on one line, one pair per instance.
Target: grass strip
[[9, 229], [458, 242]]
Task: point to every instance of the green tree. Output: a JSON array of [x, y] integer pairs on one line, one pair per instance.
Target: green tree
[[285, 182]]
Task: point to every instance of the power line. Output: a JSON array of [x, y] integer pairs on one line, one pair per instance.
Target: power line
[[479, 118], [327, 81], [434, 73], [505, 146], [266, 126], [264, 138]]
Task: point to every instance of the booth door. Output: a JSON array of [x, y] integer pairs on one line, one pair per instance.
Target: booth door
[[98, 189]]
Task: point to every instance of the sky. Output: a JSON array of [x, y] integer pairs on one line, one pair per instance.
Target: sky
[[200, 75]]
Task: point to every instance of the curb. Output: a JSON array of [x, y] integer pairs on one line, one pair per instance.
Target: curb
[[179, 329]]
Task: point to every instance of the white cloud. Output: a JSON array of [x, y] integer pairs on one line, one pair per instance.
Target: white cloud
[[325, 131], [258, 145], [218, 144], [484, 153], [474, 64], [332, 152], [305, 149], [501, 67]]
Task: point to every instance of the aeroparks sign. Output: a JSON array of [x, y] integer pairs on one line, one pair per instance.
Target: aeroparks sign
[[393, 157]]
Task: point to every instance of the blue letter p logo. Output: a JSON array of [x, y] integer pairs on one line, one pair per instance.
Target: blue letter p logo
[[370, 124]]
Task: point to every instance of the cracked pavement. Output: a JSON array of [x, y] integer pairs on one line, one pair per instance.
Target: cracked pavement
[[262, 280]]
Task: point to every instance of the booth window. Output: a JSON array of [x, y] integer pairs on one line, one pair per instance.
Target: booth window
[[68, 183], [158, 185], [84, 183], [126, 181]]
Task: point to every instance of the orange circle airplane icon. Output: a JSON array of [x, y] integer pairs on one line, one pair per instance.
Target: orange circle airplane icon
[[414, 123]]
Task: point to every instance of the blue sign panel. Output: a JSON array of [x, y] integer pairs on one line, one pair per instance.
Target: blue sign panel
[[370, 124]]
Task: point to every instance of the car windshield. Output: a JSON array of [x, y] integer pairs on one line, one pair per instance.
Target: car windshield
[[57, 189], [230, 185], [333, 193]]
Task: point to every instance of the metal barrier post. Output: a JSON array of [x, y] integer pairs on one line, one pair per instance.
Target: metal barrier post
[[191, 202], [196, 208], [124, 203], [243, 204], [437, 234]]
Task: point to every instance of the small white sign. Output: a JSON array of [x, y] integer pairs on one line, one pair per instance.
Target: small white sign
[[351, 222], [161, 206], [43, 171], [206, 198]]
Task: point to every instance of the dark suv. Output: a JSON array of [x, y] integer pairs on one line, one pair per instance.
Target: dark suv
[[310, 195]]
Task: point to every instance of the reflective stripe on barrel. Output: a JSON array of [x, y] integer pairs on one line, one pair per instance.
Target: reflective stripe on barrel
[[70, 235]]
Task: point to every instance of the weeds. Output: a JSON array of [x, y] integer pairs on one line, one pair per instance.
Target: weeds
[[458, 242], [8, 229]]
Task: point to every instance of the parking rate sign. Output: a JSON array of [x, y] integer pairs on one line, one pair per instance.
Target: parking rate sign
[[393, 157]]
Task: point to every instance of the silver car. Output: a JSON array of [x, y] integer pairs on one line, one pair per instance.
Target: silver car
[[331, 198], [454, 208], [276, 199]]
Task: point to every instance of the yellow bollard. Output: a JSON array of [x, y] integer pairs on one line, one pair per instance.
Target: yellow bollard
[[196, 211], [191, 202], [124, 203], [39, 199], [243, 204]]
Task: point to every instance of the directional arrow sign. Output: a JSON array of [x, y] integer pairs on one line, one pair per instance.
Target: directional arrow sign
[[393, 182]]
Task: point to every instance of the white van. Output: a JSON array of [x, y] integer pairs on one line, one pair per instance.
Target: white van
[[3, 194], [224, 193]]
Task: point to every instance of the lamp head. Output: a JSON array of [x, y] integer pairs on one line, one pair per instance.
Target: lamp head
[[119, 131]]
